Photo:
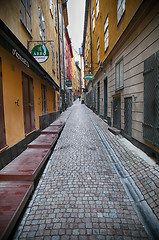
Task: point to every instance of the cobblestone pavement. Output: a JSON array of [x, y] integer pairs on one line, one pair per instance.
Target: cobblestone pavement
[[80, 194]]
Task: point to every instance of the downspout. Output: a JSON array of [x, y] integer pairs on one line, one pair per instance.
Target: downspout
[[91, 38], [59, 49], [63, 59]]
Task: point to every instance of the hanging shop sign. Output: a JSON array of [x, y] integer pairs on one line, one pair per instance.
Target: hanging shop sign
[[69, 83], [89, 76], [40, 53]]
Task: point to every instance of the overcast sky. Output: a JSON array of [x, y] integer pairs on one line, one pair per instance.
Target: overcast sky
[[76, 10]]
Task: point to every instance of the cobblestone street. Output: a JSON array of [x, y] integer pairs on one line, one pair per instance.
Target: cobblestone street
[[92, 187]]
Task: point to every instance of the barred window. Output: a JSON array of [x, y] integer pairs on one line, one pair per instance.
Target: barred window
[[120, 9], [25, 14], [119, 75], [98, 51], [93, 18], [41, 25], [106, 34]]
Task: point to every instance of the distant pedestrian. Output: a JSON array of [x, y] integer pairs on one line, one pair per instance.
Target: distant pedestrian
[[79, 98]]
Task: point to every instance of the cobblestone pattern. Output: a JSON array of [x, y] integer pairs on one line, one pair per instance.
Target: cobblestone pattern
[[146, 177], [80, 195]]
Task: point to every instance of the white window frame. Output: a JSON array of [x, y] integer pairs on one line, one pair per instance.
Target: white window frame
[[41, 25], [119, 75], [97, 8], [93, 18], [98, 51], [120, 9], [106, 33]]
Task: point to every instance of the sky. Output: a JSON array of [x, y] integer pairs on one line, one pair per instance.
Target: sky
[[76, 10]]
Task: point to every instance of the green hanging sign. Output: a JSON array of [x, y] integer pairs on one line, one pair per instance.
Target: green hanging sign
[[89, 76], [40, 53]]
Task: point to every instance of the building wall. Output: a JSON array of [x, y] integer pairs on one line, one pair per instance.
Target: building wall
[[12, 91], [139, 45], [16, 26]]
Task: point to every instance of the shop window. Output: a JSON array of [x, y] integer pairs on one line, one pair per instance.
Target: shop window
[[25, 14], [54, 100], [28, 103]]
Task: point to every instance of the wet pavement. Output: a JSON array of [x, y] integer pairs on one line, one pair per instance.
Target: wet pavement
[[93, 187]]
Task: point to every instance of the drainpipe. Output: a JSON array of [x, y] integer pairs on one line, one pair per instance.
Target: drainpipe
[[63, 51], [91, 38], [59, 49]]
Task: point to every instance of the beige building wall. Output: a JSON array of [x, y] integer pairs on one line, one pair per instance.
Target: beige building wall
[[139, 45]]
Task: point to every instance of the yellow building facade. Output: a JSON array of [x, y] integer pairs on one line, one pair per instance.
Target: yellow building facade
[[29, 90]]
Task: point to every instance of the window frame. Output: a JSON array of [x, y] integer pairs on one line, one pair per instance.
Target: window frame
[[106, 33], [41, 25], [98, 51], [119, 73], [93, 18], [26, 4], [97, 8], [121, 6]]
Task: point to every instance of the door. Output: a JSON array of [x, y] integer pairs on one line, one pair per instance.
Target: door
[[128, 116], [44, 99], [117, 112], [2, 124], [28, 103], [105, 98], [151, 99]]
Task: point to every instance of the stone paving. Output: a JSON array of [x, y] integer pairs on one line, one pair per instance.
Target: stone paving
[[80, 195]]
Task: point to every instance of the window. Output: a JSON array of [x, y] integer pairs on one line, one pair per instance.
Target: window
[[97, 8], [120, 9], [106, 34], [55, 17], [28, 103], [98, 51], [93, 18], [119, 75], [51, 7], [2, 124], [25, 14], [57, 66], [41, 25], [44, 99], [53, 56]]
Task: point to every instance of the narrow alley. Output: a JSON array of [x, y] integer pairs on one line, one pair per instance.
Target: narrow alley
[[93, 187]]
